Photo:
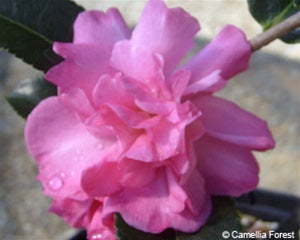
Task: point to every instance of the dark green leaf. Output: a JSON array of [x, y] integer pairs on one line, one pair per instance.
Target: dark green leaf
[[28, 28], [27, 45], [29, 93], [271, 12], [293, 36], [266, 11], [224, 218], [125, 232], [296, 3], [51, 18]]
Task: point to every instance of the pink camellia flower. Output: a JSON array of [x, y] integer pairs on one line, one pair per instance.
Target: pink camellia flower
[[134, 133]]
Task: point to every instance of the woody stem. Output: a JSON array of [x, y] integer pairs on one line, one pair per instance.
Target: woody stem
[[275, 32]]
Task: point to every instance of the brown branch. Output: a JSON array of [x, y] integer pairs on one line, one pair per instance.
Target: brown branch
[[275, 32]]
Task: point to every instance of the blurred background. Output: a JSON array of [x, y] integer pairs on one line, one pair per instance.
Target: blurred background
[[270, 89]]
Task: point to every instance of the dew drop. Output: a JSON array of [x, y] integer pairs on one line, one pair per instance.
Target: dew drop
[[100, 146], [55, 183], [97, 236], [62, 175], [80, 155]]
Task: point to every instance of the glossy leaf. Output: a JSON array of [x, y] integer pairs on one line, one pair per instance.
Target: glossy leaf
[[27, 45], [223, 218], [28, 93], [51, 18], [269, 13], [28, 28]]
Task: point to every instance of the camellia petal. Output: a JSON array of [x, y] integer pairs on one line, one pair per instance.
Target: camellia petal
[[97, 183], [209, 84], [196, 192], [91, 57], [163, 199], [68, 74], [62, 147], [142, 149], [138, 174], [86, 214], [128, 116], [226, 121], [229, 52], [111, 90], [163, 30], [99, 227], [229, 170], [178, 82], [104, 29], [167, 137], [139, 63], [76, 100]]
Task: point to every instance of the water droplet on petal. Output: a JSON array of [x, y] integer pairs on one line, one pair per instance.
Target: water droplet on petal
[[62, 175], [72, 173], [80, 155], [100, 146], [97, 236], [55, 183]]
